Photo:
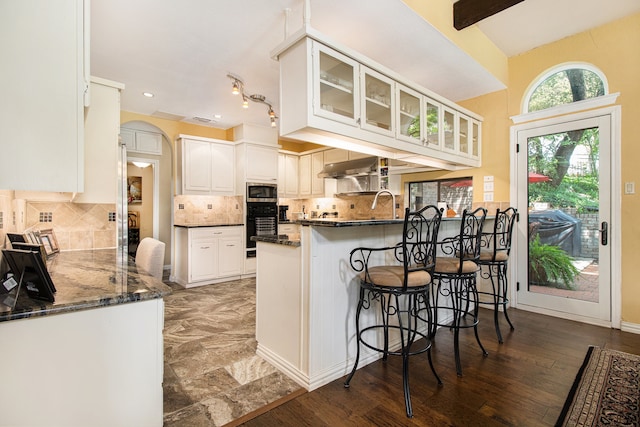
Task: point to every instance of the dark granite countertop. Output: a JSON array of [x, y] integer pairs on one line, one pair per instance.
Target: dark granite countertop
[[337, 222], [89, 279], [281, 239], [206, 225]]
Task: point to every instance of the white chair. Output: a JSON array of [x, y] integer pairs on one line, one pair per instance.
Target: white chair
[[150, 256]]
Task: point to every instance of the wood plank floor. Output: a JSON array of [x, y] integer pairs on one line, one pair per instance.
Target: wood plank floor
[[523, 382]]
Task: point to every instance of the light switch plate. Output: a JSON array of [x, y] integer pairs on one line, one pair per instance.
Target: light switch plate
[[630, 187]]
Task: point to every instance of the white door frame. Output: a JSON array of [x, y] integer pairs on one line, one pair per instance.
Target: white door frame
[[156, 190], [615, 232]]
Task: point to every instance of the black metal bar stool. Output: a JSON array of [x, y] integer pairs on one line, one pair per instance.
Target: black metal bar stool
[[494, 255], [402, 291], [455, 277]]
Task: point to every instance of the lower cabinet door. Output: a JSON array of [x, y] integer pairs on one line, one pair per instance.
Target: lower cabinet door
[[204, 259], [230, 256]]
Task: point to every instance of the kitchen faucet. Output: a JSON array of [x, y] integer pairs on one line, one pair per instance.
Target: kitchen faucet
[[393, 199]]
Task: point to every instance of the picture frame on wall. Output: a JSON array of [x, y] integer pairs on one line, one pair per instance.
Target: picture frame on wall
[[134, 189]]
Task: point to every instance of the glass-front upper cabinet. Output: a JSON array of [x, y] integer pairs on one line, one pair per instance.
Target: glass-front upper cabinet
[[432, 123], [475, 139], [378, 102], [409, 114], [464, 136], [336, 91], [450, 130]]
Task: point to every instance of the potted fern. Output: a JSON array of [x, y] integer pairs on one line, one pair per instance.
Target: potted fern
[[550, 264]]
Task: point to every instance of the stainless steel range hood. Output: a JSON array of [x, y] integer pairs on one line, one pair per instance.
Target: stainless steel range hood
[[357, 167]]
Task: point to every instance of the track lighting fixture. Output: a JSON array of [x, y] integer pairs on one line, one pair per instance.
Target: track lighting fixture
[[237, 88]]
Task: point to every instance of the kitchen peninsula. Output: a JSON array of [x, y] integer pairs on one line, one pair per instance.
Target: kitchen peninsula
[[306, 296], [96, 352]]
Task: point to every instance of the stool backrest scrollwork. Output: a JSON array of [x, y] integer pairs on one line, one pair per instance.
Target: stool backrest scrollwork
[[419, 239], [498, 242]]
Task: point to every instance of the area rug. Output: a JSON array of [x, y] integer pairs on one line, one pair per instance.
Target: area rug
[[605, 392]]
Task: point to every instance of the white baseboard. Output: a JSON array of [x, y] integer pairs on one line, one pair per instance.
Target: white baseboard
[[634, 328]]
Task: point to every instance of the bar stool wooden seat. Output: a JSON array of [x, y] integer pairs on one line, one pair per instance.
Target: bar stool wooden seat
[[455, 278], [494, 257], [401, 293]]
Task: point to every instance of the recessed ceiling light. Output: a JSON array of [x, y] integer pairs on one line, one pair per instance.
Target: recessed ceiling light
[[217, 116], [148, 94]]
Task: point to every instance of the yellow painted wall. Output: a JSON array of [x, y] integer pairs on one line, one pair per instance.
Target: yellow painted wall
[[173, 128], [613, 48]]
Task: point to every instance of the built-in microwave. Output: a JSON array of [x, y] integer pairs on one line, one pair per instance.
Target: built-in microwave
[[259, 192]]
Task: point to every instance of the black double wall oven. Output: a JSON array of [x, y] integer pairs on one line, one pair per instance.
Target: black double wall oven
[[262, 213]]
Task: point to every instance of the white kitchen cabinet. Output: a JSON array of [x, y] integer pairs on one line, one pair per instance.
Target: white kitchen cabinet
[[335, 155], [206, 255], [205, 166], [203, 251], [256, 163], [450, 128], [102, 150], [310, 167], [288, 172], [222, 168], [409, 115], [378, 102], [44, 79], [336, 94], [304, 181], [140, 141], [332, 94], [288, 228], [317, 184]]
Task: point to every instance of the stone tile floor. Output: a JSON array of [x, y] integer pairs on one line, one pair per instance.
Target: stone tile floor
[[212, 374]]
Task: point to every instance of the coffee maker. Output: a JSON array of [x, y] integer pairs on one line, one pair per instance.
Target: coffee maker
[[282, 212]]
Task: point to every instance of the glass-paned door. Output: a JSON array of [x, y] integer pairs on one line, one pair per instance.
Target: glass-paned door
[[378, 103], [408, 117], [433, 121], [563, 179], [336, 91]]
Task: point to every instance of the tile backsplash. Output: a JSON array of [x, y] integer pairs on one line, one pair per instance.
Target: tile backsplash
[[76, 225], [196, 210]]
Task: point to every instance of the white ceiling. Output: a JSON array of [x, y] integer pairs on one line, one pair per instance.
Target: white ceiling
[[183, 53]]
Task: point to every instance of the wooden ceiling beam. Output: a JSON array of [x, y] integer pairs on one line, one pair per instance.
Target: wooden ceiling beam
[[469, 12]]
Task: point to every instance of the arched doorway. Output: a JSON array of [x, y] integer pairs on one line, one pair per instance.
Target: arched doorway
[[149, 162]]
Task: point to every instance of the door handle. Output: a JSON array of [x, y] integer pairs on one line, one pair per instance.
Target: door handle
[[604, 233]]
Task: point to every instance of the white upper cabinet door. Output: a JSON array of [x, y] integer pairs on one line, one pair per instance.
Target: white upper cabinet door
[[197, 166], [304, 184], [464, 135], [409, 113], [317, 184], [148, 142], [378, 102], [336, 88], [102, 150], [335, 155], [450, 131], [223, 172], [476, 139], [43, 80], [287, 175], [433, 132], [262, 163]]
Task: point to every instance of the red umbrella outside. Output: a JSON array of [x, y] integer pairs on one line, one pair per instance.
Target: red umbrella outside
[[538, 177]]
